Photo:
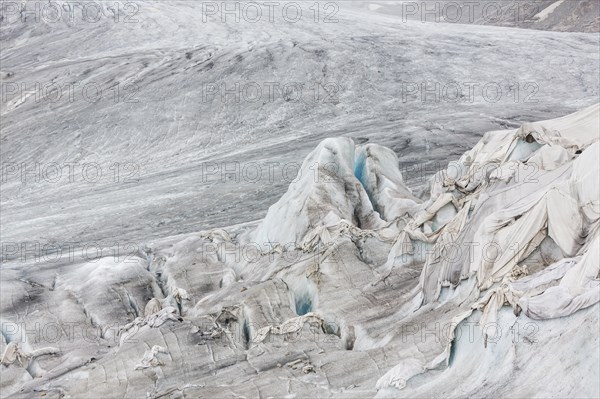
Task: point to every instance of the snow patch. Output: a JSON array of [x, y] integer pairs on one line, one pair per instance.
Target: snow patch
[[545, 13]]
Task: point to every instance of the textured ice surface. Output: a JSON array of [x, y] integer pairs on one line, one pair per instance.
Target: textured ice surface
[[325, 295], [557, 15], [172, 133], [354, 306]]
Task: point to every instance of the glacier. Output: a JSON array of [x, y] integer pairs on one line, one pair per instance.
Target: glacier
[[409, 233], [351, 286]]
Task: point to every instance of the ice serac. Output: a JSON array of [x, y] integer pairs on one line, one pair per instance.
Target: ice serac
[[376, 167], [339, 187], [324, 193]]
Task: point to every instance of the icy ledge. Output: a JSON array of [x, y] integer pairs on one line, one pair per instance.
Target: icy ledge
[[350, 287]]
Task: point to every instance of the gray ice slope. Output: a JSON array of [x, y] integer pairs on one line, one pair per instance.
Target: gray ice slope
[[170, 133]]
